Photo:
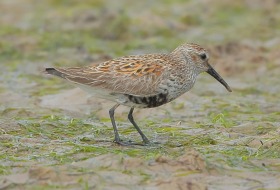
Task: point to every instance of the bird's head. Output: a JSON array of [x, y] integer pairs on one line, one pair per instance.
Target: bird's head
[[199, 57]]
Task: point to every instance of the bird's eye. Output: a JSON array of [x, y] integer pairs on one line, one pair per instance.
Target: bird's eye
[[203, 56]]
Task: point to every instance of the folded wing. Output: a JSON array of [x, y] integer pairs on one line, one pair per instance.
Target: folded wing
[[134, 75]]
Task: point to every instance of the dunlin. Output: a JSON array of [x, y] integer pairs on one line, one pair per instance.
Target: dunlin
[[142, 81]]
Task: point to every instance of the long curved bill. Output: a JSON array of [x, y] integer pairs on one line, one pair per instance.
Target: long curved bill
[[214, 74]]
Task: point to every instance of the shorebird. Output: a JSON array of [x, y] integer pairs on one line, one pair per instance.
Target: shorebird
[[142, 81]]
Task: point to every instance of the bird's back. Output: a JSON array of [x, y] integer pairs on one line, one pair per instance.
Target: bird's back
[[138, 75]]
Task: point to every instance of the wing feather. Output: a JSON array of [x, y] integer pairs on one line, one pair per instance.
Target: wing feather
[[135, 75]]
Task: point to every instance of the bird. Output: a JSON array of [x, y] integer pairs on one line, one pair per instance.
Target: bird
[[142, 81]]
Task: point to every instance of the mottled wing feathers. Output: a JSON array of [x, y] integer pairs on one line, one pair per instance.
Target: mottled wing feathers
[[135, 75]]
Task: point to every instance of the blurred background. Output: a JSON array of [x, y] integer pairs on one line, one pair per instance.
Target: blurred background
[[243, 37]]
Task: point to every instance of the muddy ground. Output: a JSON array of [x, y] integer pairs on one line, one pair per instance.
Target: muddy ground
[[53, 135]]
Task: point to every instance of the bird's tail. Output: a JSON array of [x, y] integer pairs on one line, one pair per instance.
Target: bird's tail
[[55, 72]]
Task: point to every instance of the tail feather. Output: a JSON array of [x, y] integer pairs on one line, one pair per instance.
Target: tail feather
[[55, 72]]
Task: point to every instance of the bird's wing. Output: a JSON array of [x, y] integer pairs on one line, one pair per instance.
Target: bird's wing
[[135, 75]]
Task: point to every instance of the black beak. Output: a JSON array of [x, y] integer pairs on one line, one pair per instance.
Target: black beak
[[214, 74]]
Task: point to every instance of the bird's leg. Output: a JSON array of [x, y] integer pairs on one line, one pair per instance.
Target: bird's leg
[[112, 113], [130, 118]]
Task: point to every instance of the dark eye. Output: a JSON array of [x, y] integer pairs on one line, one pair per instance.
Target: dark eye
[[203, 56]]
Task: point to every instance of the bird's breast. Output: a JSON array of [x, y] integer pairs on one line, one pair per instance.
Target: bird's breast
[[176, 88]]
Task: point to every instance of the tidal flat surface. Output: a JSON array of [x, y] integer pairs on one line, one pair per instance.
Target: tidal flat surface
[[53, 135]]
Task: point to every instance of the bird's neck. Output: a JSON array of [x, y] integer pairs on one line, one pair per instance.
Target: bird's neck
[[184, 76], [184, 63]]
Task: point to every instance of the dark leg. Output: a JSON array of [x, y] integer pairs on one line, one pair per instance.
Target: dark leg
[[130, 117], [112, 113]]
